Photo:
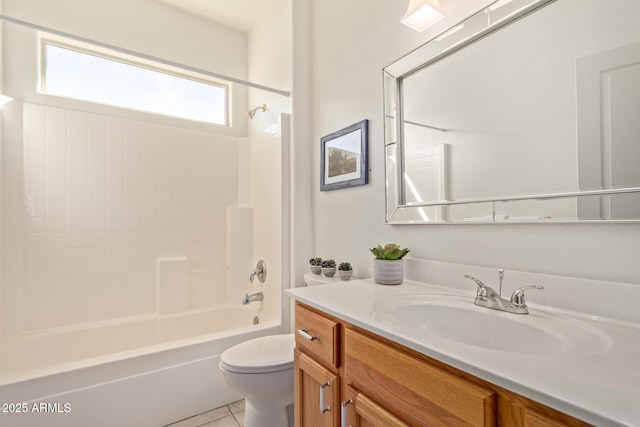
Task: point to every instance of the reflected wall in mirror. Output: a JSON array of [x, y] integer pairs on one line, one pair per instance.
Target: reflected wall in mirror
[[526, 111]]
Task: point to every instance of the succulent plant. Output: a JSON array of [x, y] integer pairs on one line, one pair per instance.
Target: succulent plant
[[315, 261], [345, 266], [328, 263], [390, 251]]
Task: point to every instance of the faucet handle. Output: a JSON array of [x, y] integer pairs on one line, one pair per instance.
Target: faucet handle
[[260, 271], [482, 288], [517, 298]]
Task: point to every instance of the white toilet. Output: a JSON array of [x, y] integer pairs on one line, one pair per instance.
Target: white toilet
[[261, 370]]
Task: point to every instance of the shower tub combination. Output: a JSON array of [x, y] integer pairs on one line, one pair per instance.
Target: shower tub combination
[[146, 371]]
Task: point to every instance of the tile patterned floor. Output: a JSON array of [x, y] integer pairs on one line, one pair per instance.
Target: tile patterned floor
[[231, 415]]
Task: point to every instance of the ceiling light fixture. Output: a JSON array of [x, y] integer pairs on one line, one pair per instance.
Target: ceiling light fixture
[[422, 14]]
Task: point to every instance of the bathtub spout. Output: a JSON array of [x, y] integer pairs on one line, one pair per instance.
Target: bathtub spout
[[259, 296]]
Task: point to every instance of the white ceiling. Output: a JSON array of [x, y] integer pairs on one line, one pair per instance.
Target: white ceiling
[[243, 14], [238, 14]]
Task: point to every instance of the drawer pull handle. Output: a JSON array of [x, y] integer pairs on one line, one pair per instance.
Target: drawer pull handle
[[324, 409], [343, 413], [304, 333]]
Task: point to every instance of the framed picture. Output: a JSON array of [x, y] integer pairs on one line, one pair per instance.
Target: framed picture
[[343, 157]]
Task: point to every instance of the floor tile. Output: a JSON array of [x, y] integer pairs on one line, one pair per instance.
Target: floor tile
[[223, 422], [239, 416], [236, 406], [204, 418]]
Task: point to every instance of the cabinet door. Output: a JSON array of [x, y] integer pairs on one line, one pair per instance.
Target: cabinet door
[[518, 411], [532, 418], [369, 414], [317, 393], [420, 392]]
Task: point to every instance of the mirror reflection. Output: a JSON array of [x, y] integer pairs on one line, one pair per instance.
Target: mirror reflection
[[513, 126]]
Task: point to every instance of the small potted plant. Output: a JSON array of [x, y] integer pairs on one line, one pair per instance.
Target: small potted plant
[[328, 267], [388, 267], [315, 265], [345, 271]]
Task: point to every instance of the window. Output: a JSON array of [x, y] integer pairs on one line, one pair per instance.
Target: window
[[82, 74]]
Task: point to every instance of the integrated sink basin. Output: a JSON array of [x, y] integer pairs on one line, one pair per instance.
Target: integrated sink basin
[[455, 318]]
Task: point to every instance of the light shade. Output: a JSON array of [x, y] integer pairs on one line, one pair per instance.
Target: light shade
[[422, 14]]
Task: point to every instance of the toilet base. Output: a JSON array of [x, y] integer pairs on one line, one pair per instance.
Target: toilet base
[[266, 412]]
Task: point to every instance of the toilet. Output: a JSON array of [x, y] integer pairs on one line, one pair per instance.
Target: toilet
[[261, 370]]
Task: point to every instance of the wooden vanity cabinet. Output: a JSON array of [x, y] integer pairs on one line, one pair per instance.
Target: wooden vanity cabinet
[[377, 382], [315, 370]]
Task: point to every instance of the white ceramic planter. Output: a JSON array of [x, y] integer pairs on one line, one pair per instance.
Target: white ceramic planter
[[315, 269], [328, 271], [388, 272], [345, 275]]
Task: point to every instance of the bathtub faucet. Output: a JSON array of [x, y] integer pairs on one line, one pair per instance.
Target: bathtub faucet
[[260, 271], [259, 296]]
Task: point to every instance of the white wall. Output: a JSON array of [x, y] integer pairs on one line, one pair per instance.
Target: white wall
[[351, 43], [1, 144], [143, 26], [270, 63], [300, 157]]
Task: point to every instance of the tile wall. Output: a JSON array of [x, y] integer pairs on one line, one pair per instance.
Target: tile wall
[[91, 201]]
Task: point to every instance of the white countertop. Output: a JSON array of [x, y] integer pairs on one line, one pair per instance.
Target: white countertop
[[602, 389]]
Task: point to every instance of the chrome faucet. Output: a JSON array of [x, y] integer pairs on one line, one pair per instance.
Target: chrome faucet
[[487, 297], [258, 296]]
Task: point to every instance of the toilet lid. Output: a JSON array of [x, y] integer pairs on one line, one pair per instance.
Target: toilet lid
[[265, 354]]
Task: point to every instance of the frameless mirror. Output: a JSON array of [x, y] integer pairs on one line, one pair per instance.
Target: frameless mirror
[[527, 111]]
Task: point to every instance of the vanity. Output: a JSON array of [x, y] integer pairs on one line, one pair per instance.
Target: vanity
[[422, 354]]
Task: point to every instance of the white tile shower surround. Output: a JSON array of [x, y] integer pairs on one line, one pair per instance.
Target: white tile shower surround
[[91, 201], [231, 415]]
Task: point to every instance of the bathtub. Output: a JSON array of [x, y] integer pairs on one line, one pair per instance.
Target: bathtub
[[143, 371]]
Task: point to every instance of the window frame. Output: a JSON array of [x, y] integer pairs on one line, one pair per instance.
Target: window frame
[[126, 59]]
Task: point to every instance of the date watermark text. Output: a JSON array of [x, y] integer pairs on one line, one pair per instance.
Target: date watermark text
[[35, 407]]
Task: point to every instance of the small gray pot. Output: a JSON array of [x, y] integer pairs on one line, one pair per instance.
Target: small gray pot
[[328, 271], [388, 272], [345, 275]]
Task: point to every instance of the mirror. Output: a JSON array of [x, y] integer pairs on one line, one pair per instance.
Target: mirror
[[528, 111]]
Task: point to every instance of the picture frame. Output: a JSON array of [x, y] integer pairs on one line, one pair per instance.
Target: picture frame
[[343, 157]]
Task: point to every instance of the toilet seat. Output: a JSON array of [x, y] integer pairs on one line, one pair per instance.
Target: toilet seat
[[260, 355]]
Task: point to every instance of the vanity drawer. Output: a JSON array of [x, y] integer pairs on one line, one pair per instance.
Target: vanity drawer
[[317, 335], [414, 389]]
